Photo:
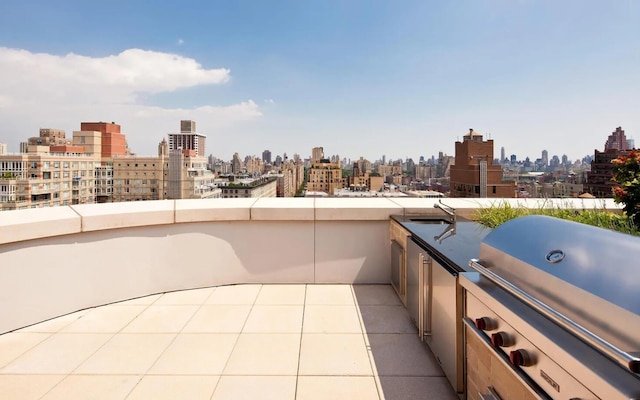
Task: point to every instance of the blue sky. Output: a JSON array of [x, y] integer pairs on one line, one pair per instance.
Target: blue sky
[[360, 78]]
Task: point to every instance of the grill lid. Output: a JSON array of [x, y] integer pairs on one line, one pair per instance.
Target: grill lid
[[588, 274]]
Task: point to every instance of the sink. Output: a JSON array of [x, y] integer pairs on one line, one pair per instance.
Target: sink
[[429, 220]]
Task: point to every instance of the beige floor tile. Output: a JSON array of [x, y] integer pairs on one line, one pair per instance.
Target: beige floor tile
[[329, 294], [387, 319], [139, 301], [402, 355], [105, 319], [59, 354], [234, 294], [196, 354], [27, 387], [334, 354], [255, 387], [376, 295], [14, 344], [264, 354], [416, 388], [184, 297], [171, 387], [94, 387], [161, 319], [281, 294], [274, 319], [221, 318], [127, 354], [56, 324], [331, 319], [337, 388]]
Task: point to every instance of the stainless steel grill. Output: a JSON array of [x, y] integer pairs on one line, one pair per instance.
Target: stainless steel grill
[[583, 279]]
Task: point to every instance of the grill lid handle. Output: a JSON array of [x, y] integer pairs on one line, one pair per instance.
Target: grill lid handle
[[623, 358]]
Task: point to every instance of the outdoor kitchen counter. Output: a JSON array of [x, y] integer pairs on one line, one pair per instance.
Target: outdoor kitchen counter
[[454, 250]]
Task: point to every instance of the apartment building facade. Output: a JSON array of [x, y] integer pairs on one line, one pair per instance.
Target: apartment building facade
[[251, 188], [55, 170], [474, 174], [188, 139], [46, 180], [324, 175]]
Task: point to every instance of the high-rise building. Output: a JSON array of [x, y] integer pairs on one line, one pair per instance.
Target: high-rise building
[[3, 149], [599, 179], [236, 164], [324, 176], [545, 158], [187, 177], [616, 141], [113, 142], [266, 156], [502, 155], [46, 179], [89, 141], [631, 143], [474, 174], [188, 139], [317, 154], [49, 137]]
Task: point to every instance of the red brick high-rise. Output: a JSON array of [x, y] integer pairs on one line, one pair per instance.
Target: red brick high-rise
[[616, 141], [114, 143], [474, 174]]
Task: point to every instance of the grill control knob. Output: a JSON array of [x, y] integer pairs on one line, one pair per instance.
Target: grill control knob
[[520, 358], [484, 324], [500, 339]]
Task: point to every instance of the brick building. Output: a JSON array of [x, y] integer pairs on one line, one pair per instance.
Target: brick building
[[474, 174]]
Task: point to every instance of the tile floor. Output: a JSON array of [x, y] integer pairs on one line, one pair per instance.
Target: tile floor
[[232, 342]]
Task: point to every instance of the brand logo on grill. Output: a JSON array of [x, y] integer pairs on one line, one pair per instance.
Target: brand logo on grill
[[550, 381], [555, 256]]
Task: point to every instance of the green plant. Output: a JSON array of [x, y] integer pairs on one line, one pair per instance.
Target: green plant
[[500, 213], [626, 173]]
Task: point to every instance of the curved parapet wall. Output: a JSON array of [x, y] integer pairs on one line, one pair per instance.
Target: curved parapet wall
[[58, 260]]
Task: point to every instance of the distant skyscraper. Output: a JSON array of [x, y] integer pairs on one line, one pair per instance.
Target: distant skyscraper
[[266, 156], [545, 158], [236, 164], [317, 154], [502, 155], [617, 140], [188, 138], [3, 149], [384, 159], [631, 143]]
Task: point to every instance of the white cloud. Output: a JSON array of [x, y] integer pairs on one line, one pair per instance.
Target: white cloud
[[180, 42], [40, 90], [130, 72]]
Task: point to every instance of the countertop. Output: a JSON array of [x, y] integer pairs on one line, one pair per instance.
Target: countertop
[[454, 250]]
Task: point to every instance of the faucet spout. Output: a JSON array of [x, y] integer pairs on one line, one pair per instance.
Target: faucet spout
[[450, 211]]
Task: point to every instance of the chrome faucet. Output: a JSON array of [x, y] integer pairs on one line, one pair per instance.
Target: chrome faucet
[[450, 211]]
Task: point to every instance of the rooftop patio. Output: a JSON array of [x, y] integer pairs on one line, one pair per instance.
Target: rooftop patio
[[232, 298], [228, 342]]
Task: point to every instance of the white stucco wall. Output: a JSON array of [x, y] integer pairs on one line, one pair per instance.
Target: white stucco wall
[[59, 260]]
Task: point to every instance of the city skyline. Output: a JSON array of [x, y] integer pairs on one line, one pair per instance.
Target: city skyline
[[358, 79]]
